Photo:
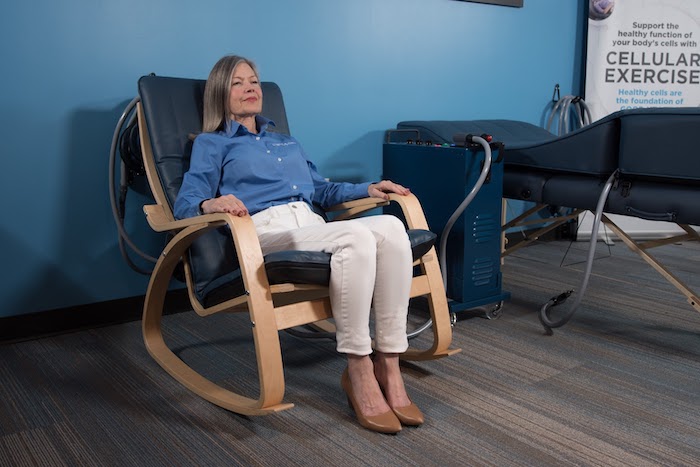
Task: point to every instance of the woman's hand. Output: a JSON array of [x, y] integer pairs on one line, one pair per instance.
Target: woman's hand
[[225, 203], [380, 190]]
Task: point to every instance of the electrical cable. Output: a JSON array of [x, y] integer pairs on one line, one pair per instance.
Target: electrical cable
[[455, 215], [563, 108], [118, 208], [546, 321]]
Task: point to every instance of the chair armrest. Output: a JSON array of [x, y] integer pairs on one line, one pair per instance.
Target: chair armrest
[[186, 231], [409, 204], [159, 220], [243, 233], [355, 207], [412, 210], [362, 202]]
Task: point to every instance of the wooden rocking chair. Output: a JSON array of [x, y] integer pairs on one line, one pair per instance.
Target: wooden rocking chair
[[224, 267]]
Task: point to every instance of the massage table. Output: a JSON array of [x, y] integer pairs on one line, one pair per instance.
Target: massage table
[[643, 163]]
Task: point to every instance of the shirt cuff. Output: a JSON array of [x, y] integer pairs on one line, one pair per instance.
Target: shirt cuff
[[362, 189]]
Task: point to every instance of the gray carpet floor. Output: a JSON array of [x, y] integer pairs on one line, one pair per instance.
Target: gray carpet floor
[[618, 385]]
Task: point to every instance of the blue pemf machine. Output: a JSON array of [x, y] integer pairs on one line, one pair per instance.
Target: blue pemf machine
[[460, 187]]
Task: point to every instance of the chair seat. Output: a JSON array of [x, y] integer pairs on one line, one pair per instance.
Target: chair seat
[[307, 267]]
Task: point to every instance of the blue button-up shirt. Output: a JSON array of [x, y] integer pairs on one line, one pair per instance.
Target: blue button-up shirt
[[262, 170]]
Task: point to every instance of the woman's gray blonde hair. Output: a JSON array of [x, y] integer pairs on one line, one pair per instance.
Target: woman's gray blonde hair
[[217, 90]]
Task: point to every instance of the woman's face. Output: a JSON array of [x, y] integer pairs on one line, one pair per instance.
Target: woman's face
[[245, 97]]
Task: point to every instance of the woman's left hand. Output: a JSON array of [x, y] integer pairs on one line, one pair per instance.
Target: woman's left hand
[[380, 190]]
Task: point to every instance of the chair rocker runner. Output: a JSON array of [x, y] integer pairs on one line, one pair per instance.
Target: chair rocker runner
[[225, 269]]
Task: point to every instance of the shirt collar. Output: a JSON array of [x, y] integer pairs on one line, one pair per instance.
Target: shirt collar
[[233, 128]]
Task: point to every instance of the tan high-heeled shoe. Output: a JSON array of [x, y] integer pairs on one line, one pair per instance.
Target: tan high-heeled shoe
[[409, 415], [386, 422]]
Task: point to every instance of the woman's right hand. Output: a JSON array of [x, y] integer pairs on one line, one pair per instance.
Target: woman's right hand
[[225, 203]]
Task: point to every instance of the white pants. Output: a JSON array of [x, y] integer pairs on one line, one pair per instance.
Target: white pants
[[371, 268]]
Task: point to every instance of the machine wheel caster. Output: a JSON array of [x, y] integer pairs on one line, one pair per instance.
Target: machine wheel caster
[[453, 318], [495, 312]]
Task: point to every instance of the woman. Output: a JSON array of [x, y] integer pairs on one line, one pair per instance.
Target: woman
[[240, 167]]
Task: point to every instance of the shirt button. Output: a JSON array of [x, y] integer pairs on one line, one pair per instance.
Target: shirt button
[[279, 159], [268, 151], [257, 138], [294, 186]]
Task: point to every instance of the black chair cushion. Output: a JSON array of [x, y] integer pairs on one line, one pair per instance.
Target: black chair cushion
[[421, 241], [302, 267], [311, 267]]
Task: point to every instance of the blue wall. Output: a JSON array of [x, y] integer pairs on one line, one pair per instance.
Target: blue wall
[[348, 69]]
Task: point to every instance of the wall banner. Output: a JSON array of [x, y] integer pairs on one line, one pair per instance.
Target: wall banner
[[642, 53]]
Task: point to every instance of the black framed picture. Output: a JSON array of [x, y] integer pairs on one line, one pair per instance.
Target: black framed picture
[[515, 3]]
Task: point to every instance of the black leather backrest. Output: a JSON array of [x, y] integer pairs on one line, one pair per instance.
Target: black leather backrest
[[173, 111]]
